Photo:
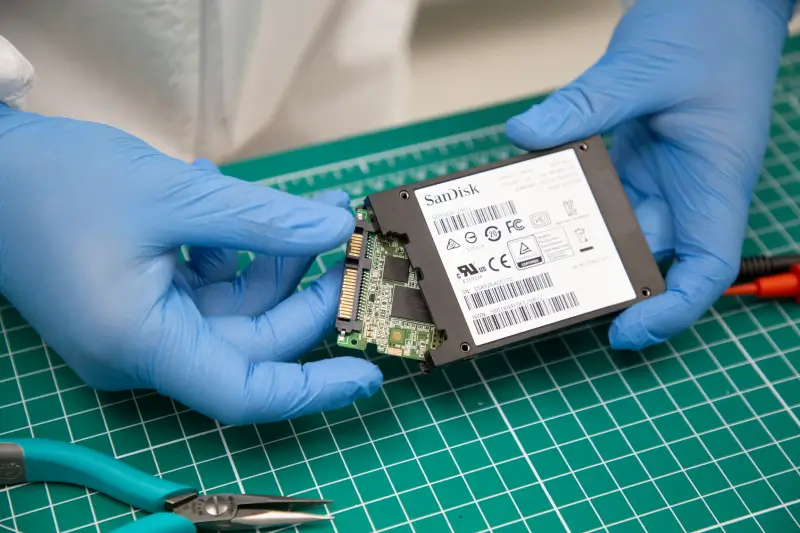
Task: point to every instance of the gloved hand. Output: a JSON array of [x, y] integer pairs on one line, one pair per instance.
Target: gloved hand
[[91, 220], [687, 86]]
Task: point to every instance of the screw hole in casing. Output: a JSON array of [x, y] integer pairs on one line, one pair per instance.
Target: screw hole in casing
[[646, 292], [584, 147], [465, 347], [404, 195]]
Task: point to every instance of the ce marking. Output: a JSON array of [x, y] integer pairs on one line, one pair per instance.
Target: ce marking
[[503, 262]]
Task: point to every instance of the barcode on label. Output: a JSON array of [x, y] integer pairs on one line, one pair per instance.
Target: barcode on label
[[474, 217], [508, 291], [525, 313]]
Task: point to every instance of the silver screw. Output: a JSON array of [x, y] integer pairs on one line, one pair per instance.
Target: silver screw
[[216, 506]]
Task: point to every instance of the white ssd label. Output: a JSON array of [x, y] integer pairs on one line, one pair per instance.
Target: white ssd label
[[524, 246]]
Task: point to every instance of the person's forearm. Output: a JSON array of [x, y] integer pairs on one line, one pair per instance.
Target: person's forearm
[[783, 8]]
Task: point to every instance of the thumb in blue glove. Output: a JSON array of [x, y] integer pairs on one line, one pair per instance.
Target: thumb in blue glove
[[687, 86], [102, 285]]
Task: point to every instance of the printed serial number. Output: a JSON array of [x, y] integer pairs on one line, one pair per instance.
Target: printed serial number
[[508, 291], [473, 217], [525, 313]]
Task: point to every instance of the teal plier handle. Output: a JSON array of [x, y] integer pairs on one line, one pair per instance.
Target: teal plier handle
[[174, 508], [40, 460]]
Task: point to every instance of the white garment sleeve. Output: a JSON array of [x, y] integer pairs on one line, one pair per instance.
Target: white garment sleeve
[[16, 74]]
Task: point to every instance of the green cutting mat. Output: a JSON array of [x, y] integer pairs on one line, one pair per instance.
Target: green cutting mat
[[698, 434]]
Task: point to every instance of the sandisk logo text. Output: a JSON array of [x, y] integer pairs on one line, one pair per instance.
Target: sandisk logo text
[[451, 194]]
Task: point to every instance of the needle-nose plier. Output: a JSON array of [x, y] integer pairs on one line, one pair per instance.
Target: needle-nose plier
[[175, 508]]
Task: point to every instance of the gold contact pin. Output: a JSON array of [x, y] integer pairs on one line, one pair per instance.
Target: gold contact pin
[[355, 245], [348, 293]]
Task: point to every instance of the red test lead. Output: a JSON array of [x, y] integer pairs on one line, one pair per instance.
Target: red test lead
[[785, 285]]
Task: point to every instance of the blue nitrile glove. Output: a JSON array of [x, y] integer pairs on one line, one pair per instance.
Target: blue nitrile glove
[[688, 87], [91, 220]]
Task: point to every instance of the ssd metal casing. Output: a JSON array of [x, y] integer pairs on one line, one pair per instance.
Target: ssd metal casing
[[405, 211]]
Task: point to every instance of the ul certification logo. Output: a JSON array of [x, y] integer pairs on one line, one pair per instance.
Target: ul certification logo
[[465, 271]]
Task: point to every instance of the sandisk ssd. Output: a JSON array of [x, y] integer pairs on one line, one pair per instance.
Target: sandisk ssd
[[461, 264]]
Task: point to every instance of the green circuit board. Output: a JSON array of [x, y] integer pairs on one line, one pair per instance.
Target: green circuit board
[[390, 311]]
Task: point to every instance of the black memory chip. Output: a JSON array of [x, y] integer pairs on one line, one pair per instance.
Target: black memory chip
[[408, 303], [396, 269]]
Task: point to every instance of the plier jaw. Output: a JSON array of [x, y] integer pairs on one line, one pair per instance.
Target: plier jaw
[[243, 512]]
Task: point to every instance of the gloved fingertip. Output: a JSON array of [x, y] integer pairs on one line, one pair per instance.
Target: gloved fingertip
[[367, 377], [528, 130], [343, 380], [333, 197], [629, 333], [323, 295], [341, 223], [562, 117], [653, 321], [326, 226], [205, 164]]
